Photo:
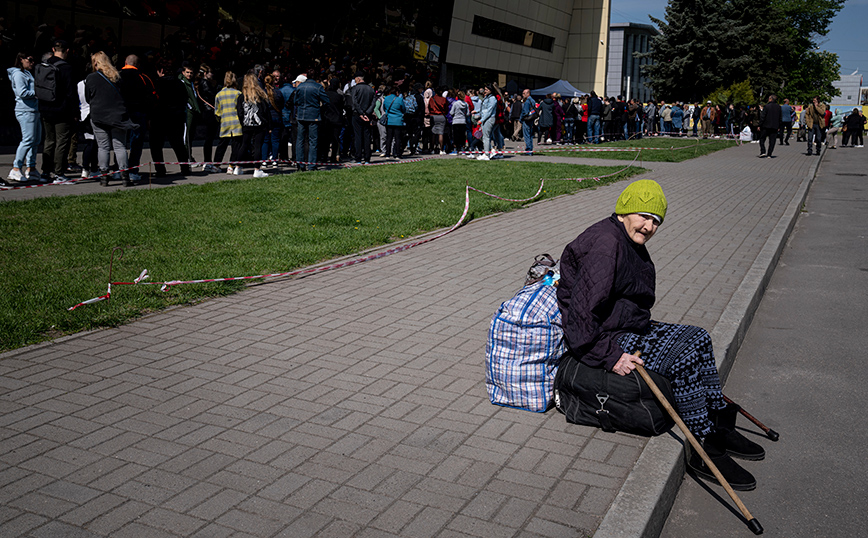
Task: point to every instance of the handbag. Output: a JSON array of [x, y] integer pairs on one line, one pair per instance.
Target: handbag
[[602, 399]]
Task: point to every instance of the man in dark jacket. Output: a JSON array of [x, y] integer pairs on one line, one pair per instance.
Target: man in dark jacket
[[308, 99], [140, 97], [194, 108], [770, 122], [333, 119], [362, 97], [595, 113], [59, 114], [169, 119]]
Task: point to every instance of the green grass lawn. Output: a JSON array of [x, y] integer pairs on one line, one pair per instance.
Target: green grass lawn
[[55, 251], [691, 148]]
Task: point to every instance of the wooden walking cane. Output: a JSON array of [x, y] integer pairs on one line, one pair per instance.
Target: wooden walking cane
[[773, 435], [752, 522]]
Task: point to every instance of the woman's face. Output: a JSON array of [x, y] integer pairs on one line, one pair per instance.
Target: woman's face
[[639, 228], [27, 63]]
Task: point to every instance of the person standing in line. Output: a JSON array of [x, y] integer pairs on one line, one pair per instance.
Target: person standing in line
[[271, 145], [194, 110], [459, 113], [27, 114], [206, 89], [393, 109], [58, 108], [108, 116], [252, 110], [487, 119], [230, 133], [770, 124], [835, 126], [308, 99], [169, 118], [362, 97], [140, 96], [528, 106], [333, 122]]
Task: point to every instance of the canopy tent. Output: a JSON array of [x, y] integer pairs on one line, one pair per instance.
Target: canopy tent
[[562, 87]]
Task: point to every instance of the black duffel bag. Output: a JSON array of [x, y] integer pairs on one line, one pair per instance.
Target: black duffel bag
[[603, 399]]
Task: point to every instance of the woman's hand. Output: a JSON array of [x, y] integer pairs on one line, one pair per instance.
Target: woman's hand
[[626, 364]]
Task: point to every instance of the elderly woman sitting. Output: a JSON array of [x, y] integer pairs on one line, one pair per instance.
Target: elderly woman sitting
[[606, 292]]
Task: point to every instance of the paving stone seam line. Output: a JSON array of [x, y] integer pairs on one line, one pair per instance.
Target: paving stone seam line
[[642, 505]]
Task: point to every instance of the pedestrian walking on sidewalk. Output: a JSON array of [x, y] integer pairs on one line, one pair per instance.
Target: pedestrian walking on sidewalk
[[770, 124], [606, 292]]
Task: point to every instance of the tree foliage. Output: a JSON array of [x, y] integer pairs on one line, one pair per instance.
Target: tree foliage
[[707, 45]]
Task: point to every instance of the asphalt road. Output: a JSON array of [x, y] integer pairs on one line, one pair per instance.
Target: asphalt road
[[801, 370]]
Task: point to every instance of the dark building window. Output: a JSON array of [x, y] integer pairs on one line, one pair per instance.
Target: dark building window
[[511, 34]]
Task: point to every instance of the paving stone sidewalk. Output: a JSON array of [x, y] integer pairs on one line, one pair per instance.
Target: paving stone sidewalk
[[352, 402]]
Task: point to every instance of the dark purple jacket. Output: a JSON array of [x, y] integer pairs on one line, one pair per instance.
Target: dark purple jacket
[[606, 289]]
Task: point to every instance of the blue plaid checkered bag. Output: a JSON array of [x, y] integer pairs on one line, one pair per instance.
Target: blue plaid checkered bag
[[525, 343]]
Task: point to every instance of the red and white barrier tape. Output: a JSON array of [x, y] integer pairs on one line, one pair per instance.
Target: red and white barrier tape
[[169, 283]]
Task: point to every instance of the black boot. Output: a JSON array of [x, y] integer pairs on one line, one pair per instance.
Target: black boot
[[733, 473], [736, 444], [126, 177]]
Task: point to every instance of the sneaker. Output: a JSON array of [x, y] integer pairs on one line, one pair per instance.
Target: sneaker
[[548, 141], [15, 175], [860, 146], [454, 152], [85, 173], [762, 155], [442, 152], [483, 157], [58, 179], [237, 171], [135, 177], [259, 173], [73, 167]]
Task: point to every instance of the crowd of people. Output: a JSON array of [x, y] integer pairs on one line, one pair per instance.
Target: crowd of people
[[82, 100]]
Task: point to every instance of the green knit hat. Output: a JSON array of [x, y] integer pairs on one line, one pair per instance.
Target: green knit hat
[[642, 196]]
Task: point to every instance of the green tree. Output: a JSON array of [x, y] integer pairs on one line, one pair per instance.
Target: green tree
[[706, 45]]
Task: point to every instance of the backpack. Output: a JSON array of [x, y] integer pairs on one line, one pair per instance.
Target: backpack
[[410, 104], [499, 112], [525, 343], [45, 81], [533, 115]]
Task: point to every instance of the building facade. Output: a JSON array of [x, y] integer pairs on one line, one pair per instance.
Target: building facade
[[533, 43], [624, 76]]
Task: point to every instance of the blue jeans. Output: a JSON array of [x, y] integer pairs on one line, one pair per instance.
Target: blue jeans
[[307, 130], [497, 134], [527, 134], [594, 127], [271, 145], [569, 130], [487, 132], [136, 138], [31, 134]]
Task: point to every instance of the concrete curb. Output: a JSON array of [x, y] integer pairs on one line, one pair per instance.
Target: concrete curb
[[642, 505]]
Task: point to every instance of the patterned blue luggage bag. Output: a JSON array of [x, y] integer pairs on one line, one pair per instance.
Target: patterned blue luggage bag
[[525, 343]]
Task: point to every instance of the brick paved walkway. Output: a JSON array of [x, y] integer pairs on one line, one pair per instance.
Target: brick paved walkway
[[352, 403]]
